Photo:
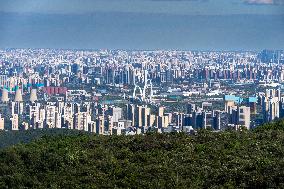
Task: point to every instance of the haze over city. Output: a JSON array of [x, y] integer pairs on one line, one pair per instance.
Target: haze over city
[[143, 24]]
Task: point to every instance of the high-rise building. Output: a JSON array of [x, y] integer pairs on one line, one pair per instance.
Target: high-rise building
[[68, 121], [33, 95], [3, 80], [216, 125], [100, 125], [244, 116], [200, 119], [17, 108], [18, 96], [178, 119], [52, 118], [138, 116], [230, 101], [253, 104], [145, 116], [81, 121], [4, 97], [241, 116], [116, 114], [151, 120], [130, 112], [190, 108], [161, 111], [15, 122], [162, 121], [2, 122], [34, 114], [271, 105]]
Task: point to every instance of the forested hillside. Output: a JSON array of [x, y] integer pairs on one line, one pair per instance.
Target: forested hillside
[[244, 159], [9, 138]]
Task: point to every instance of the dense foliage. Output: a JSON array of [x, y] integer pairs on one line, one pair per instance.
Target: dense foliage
[[9, 138], [252, 159]]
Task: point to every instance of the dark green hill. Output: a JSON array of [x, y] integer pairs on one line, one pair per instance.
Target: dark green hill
[[9, 138], [209, 160]]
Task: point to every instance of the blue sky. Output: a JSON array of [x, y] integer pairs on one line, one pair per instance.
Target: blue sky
[[143, 24]]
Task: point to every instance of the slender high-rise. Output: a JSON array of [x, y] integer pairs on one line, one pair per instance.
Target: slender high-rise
[[5, 97], [18, 96], [33, 95]]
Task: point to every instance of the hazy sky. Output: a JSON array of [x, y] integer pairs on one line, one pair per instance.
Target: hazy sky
[[143, 24]]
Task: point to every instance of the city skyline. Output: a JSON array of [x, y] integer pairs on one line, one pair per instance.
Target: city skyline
[[129, 92]]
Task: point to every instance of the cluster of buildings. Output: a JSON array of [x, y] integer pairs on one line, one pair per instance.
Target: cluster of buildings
[[94, 117], [115, 92]]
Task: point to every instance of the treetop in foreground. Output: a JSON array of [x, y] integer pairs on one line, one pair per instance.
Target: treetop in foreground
[[247, 159]]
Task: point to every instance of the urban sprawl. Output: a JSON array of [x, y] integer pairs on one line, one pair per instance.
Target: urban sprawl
[[113, 92]]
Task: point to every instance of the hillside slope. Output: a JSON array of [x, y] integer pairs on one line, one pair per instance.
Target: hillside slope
[[10, 138], [208, 160]]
